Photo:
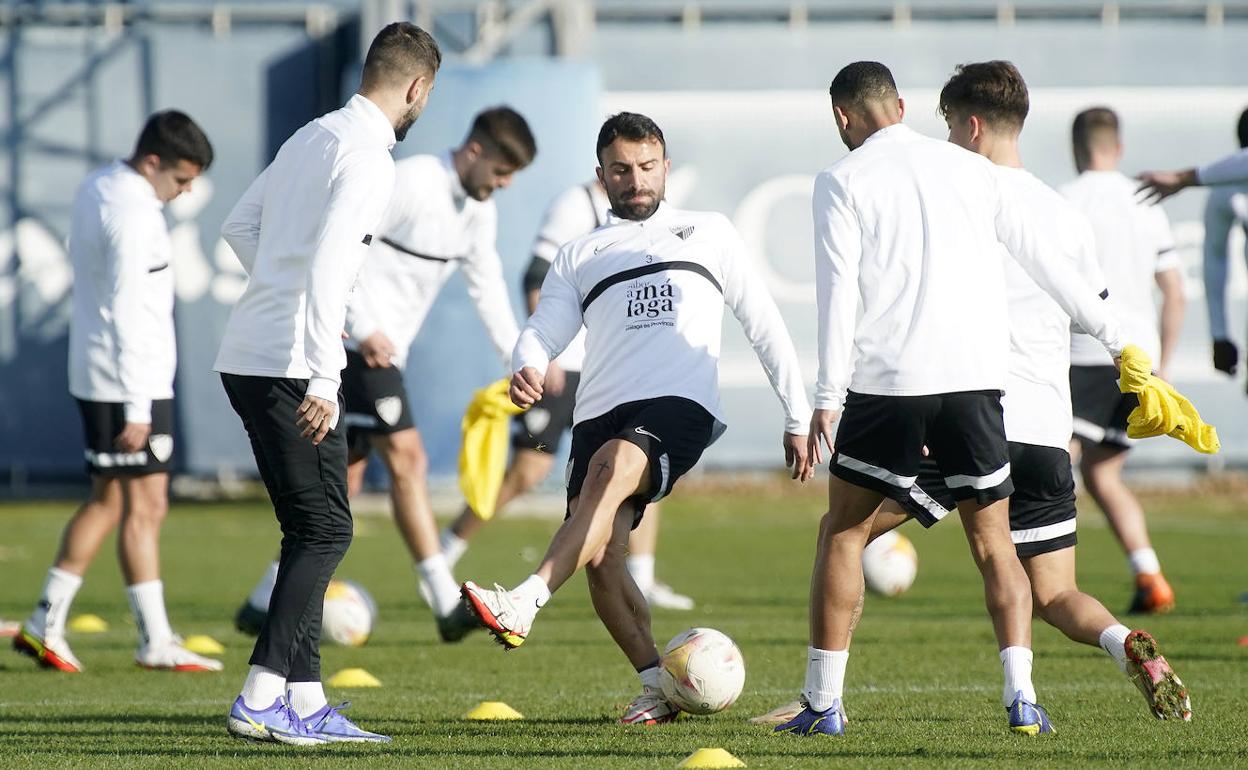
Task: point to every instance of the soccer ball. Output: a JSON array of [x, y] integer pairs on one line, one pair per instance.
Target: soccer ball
[[701, 671], [349, 613], [889, 564]]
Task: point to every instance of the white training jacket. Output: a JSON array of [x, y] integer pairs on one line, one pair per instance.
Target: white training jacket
[[1226, 207], [651, 295], [1037, 393], [577, 211], [1133, 245], [430, 230], [1231, 169], [301, 232], [121, 341], [910, 277]]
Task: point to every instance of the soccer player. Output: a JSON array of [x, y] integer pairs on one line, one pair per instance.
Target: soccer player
[[1136, 250], [650, 288], [910, 278], [1227, 206], [122, 359], [301, 231], [441, 219], [537, 434], [985, 105]]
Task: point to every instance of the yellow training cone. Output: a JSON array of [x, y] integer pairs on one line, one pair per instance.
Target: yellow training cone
[[88, 624], [202, 644], [493, 709], [353, 677], [711, 758]]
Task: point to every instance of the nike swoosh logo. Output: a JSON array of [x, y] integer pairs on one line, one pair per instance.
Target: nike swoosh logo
[[607, 246], [645, 432]]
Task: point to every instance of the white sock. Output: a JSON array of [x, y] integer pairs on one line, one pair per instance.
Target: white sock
[[641, 567], [453, 547], [649, 678], [262, 687], [1144, 561], [437, 574], [147, 602], [1017, 664], [59, 589], [306, 698], [825, 677], [1114, 641], [533, 592], [259, 597]]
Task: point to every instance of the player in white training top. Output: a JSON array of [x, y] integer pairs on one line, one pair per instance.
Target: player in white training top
[[1137, 253], [985, 105], [122, 360], [650, 288], [914, 353], [1225, 209], [537, 434], [441, 219]]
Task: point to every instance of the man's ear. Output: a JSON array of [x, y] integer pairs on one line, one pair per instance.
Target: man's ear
[[842, 117], [417, 88], [901, 107], [601, 177]]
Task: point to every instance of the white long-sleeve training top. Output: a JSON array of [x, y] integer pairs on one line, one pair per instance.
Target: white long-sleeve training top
[[910, 276], [1231, 169], [301, 232], [121, 341], [431, 229], [1037, 392], [1133, 245], [1227, 206], [577, 211], [651, 296]]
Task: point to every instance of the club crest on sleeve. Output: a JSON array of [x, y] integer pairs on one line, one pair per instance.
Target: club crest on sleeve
[[161, 445], [683, 233], [389, 409]]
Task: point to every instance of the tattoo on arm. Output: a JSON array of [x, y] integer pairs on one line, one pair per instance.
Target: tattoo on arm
[[602, 467]]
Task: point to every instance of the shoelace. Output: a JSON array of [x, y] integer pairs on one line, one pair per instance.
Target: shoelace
[[505, 604], [297, 725], [334, 711]]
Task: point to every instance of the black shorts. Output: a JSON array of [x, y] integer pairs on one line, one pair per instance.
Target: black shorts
[[1042, 508], [102, 421], [880, 440], [541, 428], [672, 431], [376, 402], [1100, 408]]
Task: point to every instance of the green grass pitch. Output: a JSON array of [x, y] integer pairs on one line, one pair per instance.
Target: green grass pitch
[[923, 686]]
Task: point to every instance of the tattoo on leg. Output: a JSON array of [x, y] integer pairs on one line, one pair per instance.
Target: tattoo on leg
[[602, 467]]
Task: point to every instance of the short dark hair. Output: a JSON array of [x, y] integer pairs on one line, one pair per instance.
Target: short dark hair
[[172, 136], [993, 91], [1241, 129], [1091, 124], [504, 131], [862, 83], [400, 51], [630, 126]]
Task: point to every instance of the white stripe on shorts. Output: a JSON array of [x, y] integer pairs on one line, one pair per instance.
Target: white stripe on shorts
[[883, 474], [979, 482], [934, 508], [1088, 430], [1047, 532], [665, 472]]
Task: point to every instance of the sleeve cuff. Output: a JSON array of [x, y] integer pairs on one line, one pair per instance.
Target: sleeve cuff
[[829, 403], [138, 412], [326, 389]]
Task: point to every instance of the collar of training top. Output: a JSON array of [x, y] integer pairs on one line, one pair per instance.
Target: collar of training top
[[457, 187], [143, 187], [374, 117], [661, 214], [895, 130]]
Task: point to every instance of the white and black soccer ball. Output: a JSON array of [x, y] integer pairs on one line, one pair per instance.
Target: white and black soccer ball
[[701, 671], [889, 564], [349, 614]]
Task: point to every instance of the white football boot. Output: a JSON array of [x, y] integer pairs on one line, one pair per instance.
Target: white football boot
[[649, 708], [172, 656], [663, 597]]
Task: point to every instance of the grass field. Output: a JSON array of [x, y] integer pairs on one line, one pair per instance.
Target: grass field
[[923, 685]]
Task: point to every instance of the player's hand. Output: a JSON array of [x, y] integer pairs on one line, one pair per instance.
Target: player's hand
[[1156, 186], [797, 457], [377, 350], [556, 379], [526, 387], [1225, 356], [314, 418], [133, 437], [821, 422]]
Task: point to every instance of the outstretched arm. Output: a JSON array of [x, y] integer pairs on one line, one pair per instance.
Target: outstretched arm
[[1156, 186]]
